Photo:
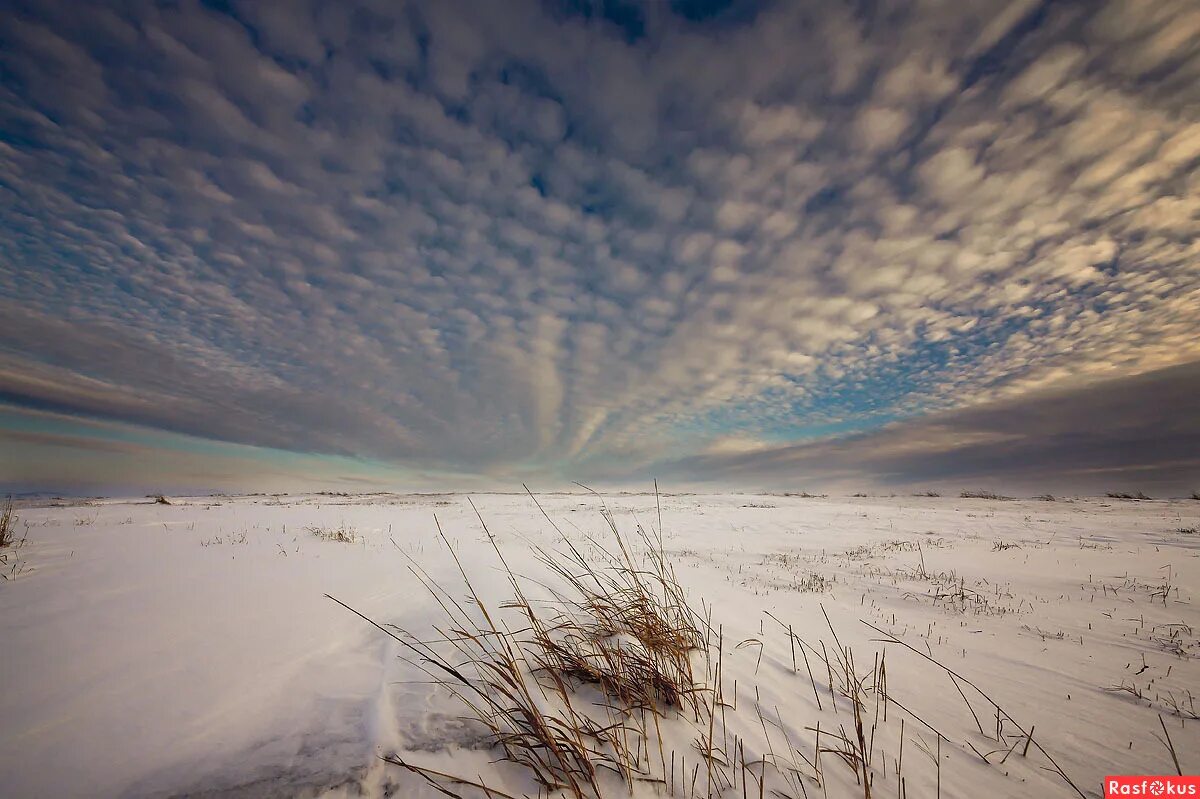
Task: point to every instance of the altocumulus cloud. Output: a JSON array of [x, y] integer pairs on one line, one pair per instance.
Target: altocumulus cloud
[[604, 241]]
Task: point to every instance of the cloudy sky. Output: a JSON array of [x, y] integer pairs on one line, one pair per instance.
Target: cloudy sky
[[796, 244]]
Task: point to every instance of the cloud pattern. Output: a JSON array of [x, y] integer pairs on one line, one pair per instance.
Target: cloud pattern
[[589, 239]]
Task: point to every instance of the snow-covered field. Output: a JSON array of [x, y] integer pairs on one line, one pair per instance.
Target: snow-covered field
[[158, 650]]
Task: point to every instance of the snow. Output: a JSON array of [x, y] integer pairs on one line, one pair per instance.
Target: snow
[[158, 650]]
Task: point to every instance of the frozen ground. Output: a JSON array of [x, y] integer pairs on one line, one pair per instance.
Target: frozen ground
[[154, 650]]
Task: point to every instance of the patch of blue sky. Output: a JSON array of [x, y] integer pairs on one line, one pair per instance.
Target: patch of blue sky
[[863, 399]]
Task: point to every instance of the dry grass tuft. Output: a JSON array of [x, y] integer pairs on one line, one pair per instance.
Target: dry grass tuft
[[11, 564], [341, 534], [626, 628], [619, 625], [8, 524]]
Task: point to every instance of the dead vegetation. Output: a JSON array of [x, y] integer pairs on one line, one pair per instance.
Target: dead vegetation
[[1156, 590], [1007, 732], [878, 548], [951, 593], [1181, 705], [620, 625], [341, 534], [11, 564], [8, 524], [1126, 495], [577, 674], [240, 537], [804, 582], [983, 495]]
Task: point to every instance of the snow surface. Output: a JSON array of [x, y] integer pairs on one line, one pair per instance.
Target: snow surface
[[188, 649]]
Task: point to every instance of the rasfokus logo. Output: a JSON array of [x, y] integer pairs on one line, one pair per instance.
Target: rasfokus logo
[[1143, 785]]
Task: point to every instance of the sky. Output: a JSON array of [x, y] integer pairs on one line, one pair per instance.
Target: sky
[[871, 245]]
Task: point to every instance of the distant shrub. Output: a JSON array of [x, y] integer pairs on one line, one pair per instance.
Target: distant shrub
[[982, 495], [1045, 497], [926, 494], [1125, 495], [1196, 495]]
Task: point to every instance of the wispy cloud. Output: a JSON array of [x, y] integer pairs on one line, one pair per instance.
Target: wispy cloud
[[516, 239]]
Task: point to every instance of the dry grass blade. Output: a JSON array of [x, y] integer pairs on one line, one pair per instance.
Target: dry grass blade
[[1170, 746]]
